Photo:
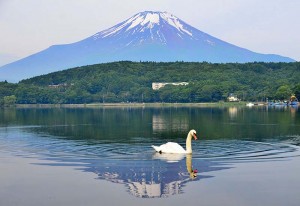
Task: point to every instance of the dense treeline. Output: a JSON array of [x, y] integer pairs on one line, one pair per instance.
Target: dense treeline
[[132, 82]]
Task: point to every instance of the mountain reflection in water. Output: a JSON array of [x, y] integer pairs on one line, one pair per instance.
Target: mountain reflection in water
[[162, 176]]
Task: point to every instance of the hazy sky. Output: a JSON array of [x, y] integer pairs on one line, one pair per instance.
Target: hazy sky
[[264, 26]]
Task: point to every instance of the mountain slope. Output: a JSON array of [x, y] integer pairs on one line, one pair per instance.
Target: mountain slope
[[147, 36]]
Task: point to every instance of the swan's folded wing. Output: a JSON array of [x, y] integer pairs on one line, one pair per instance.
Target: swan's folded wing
[[173, 147], [170, 147]]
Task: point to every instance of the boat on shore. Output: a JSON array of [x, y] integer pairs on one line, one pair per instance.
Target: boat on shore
[[278, 103], [250, 104], [293, 101]]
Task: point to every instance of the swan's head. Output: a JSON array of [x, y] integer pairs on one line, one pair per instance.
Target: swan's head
[[193, 134]]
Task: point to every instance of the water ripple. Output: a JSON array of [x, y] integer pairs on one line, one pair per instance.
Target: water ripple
[[245, 150], [139, 148]]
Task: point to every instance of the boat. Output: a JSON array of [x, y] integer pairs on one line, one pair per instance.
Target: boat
[[277, 103], [293, 101], [250, 104]]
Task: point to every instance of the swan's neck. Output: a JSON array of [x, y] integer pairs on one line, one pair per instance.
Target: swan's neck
[[189, 144]]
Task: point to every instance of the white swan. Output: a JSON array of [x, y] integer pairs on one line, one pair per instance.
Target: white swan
[[172, 147]]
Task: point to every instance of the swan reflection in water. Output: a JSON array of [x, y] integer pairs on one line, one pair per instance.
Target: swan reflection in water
[[162, 176]]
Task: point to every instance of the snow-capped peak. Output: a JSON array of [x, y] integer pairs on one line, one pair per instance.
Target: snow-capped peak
[[147, 20], [151, 18]]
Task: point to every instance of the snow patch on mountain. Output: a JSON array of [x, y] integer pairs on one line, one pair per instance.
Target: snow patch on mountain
[[175, 22]]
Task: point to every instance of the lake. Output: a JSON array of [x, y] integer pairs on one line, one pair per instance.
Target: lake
[[102, 156]]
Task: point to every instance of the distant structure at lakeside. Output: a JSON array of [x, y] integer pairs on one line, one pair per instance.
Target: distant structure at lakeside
[[158, 85], [233, 98]]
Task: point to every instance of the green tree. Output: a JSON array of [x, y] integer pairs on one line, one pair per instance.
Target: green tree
[[283, 92], [131, 81], [296, 91], [9, 100]]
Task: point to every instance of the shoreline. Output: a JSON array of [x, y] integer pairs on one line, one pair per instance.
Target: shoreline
[[129, 105]]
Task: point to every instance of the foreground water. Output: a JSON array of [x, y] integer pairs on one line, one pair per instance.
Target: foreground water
[[104, 156]]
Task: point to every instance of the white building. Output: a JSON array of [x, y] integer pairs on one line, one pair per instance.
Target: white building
[[233, 98], [158, 85]]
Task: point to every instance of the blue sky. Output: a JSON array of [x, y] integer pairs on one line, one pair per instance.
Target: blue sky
[[264, 26]]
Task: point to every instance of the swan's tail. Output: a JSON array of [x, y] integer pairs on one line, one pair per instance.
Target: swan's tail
[[156, 148]]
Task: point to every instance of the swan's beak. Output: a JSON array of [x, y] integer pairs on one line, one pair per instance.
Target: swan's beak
[[195, 137]]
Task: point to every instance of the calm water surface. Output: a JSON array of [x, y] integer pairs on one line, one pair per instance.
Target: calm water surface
[[244, 156]]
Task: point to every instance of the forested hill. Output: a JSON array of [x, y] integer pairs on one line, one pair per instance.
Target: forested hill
[[132, 82]]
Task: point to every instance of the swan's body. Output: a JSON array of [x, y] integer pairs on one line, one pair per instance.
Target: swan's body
[[172, 147]]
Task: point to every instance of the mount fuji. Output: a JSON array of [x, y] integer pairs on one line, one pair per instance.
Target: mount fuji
[[146, 36]]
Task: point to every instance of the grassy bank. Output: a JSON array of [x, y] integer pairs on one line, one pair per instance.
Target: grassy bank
[[116, 105]]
